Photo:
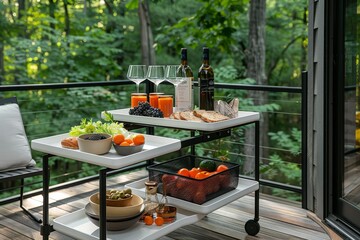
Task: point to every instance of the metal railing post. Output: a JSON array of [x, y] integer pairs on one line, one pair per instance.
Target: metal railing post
[[304, 87]]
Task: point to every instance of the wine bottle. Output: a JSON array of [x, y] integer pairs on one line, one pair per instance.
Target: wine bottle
[[184, 90], [206, 83]]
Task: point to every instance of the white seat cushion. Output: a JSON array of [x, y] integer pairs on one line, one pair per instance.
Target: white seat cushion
[[15, 151]]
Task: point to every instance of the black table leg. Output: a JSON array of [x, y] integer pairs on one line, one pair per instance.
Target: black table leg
[[46, 228], [252, 227], [257, 167], [102, 183]]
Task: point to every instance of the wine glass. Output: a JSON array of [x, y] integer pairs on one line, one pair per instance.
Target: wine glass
[[156, 74], [175, 75], [137, 74]]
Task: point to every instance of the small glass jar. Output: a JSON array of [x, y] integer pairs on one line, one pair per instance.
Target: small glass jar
[[153, 99], [151, 199], [138, 97], [165, 104], [167, 212]]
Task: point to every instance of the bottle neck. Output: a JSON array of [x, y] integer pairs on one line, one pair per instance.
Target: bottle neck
[[206, 62], [206, 57], [184, 57], [184, 62]]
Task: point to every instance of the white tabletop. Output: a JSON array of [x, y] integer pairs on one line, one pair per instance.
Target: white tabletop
[[154, 146], [242, 118]]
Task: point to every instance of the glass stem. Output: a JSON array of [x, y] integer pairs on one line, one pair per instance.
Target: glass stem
[[138, 87]]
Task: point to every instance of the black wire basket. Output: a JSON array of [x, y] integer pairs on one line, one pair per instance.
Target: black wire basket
[[189, 189]]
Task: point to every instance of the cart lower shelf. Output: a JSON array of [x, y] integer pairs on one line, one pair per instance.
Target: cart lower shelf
[[245, 187], [77, 224]]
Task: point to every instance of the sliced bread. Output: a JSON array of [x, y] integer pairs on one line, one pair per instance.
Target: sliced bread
[[189, 116], [210, 116]]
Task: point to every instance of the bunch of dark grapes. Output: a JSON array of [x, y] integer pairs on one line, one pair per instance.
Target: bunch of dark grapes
[[144, 109]]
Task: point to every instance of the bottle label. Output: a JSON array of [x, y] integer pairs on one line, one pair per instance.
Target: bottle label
[[183, 94]]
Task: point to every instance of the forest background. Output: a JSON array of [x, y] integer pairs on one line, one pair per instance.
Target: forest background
[[64, 41]]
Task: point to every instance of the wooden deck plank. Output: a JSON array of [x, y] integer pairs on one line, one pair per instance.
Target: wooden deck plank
[[8, 234], [276, 212], [277, 220]]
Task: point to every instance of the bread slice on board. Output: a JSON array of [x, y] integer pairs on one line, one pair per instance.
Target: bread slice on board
[[198, 113], [210, 116], [189, 116], [175, 115]]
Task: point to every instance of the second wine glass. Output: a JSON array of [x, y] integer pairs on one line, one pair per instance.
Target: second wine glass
[[156, 74]]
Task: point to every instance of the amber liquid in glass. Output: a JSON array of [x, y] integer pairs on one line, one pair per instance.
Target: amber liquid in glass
[[153, 99], [138, 97], [165, 103]]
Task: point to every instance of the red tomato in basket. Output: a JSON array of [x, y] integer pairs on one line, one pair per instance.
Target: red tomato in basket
[[173, 191], [199, 197], [187, 193], [183, 183], [211, 184], [225, 180], [167, 178], [169, 182]]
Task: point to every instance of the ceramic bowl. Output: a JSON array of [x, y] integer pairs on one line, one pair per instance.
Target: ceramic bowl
[[114, 224], [127, 150], [133, 209], [101, 146]]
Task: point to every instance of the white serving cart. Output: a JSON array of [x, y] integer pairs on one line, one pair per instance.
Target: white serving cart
[[78, 226]]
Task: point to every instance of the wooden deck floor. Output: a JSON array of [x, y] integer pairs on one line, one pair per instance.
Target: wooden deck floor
[[278, 219]]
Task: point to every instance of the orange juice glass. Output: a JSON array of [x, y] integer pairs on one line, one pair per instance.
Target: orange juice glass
[[165, 104], [138, 97], [153, 99]]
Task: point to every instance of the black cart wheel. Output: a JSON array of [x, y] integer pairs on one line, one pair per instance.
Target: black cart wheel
[[252, 227]]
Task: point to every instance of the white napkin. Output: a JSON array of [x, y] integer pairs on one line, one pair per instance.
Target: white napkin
[[228, 109]]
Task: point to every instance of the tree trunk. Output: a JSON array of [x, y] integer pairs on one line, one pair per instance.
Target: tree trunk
[[67, 18], [147, 41], [52, 7], [85, 7], [111, 24], [256, 70], [21, 8]]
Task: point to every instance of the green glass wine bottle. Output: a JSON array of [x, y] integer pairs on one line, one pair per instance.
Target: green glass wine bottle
[[206, 83]]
